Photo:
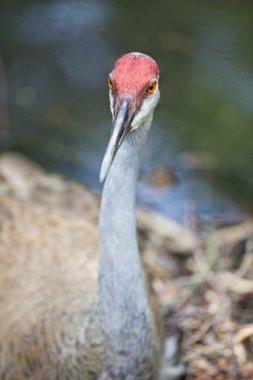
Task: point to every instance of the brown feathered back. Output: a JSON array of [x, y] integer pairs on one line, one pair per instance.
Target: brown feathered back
[[46, 224]]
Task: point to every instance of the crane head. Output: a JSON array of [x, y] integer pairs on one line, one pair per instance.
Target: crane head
[[134, 93]]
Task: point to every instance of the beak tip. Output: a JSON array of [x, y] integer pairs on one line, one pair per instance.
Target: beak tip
[[104, 171]]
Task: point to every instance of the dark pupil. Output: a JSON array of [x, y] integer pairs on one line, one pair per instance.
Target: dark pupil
[[151, 88]]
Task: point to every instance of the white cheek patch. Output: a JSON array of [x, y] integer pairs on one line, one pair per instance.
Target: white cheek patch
[[147, 106]]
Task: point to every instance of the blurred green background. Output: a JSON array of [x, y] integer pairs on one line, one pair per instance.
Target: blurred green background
[[57, 54]]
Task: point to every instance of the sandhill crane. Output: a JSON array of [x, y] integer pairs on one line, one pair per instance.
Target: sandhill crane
[[71, 308]]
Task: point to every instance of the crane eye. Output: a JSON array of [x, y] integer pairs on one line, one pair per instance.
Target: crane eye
[[151, 88], [109, 82]]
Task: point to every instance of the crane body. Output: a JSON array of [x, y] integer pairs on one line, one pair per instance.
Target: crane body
[[74, 303]]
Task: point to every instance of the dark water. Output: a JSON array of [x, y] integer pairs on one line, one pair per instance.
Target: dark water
[[57, 55]]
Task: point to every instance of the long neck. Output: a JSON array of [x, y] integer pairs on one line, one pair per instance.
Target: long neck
[[121, 291]]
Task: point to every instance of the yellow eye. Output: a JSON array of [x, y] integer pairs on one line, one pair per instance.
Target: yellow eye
[[109, 81], [151, 88]]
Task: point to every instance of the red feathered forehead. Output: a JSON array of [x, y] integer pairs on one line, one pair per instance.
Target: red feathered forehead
[[132, 73]]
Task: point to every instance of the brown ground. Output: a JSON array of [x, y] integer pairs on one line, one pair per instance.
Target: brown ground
[[202, 276], [206, 292]]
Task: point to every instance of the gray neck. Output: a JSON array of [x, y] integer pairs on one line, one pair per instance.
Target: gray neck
[[121, 291]]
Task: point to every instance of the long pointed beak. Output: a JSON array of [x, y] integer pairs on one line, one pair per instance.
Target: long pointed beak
[[120, 129]]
